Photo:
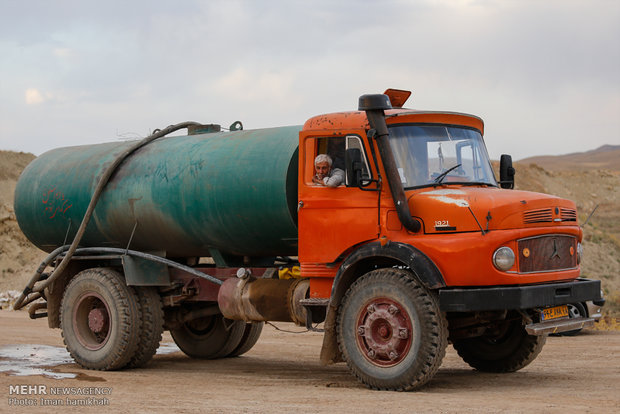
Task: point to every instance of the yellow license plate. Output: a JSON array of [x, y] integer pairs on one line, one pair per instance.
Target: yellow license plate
[[554, 313]]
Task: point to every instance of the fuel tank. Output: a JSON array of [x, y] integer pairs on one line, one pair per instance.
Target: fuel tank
[[232, 192]]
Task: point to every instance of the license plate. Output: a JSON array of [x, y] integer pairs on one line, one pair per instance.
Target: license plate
[[554, 313]]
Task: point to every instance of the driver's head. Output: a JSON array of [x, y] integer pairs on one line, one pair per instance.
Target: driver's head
[[322, 165]]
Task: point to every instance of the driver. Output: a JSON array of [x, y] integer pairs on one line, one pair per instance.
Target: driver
[[325, 175]]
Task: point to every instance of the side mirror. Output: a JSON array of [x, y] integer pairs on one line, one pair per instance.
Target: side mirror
[[353, 165], [506, 172]]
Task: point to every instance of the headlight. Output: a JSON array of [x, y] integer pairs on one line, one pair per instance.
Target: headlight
[[579, 252], [504, 258]]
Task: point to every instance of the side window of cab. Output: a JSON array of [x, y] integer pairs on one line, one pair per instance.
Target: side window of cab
[[328, 161], [325, 149]]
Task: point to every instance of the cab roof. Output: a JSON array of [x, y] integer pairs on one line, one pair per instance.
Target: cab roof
[[358, 120]]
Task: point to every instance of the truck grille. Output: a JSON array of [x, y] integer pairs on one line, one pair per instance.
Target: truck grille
[[547, 253], [568, 214], [545, 215]]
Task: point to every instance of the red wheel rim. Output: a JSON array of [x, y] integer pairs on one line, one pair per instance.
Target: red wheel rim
[[91, 321], [384, 332]]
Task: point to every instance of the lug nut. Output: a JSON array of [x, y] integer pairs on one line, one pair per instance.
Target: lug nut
[[403, 333], [372, 354], [370, 308], [392, 309], [393, 355], [361, 331]]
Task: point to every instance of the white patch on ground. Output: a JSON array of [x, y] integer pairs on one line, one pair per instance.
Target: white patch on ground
[[26, 360], [167, 348], [8, 298]]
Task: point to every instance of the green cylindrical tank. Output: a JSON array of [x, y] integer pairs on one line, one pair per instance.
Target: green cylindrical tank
[[232, 192]]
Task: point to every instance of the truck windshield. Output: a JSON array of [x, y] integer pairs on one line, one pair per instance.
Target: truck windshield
[[429, 155]]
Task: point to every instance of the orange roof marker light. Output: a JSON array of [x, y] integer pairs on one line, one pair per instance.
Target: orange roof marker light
[[398, 97]]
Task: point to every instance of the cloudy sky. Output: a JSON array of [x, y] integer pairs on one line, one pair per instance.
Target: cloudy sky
[[543, 74]]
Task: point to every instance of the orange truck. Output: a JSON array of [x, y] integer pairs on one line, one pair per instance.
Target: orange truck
[[415, 245]]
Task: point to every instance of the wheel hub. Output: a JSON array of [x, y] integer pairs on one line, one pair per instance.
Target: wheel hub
[[91, 321], [384, 332], [573, 312], [97, 320]]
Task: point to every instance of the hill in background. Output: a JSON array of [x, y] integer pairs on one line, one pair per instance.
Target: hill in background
[[591, 179], [606, 157], [18, 257]]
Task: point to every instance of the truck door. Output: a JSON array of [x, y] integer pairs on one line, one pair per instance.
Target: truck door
[[331, 220]]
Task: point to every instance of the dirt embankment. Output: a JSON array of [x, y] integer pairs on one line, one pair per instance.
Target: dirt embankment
[[18, 257]]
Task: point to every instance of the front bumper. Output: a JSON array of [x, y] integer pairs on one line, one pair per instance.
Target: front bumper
[[518, 297]]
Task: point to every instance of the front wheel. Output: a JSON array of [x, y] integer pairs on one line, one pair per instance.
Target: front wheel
[[508, 349], [390, 330]]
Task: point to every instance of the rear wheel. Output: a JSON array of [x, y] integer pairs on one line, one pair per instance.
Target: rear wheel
[[209, 337], [390, 330], [575, 310], [509, 349], [100, 319], [250, 337], [152, 325]]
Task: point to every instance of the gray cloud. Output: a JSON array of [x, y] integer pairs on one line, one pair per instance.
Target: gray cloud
[[543, 75]]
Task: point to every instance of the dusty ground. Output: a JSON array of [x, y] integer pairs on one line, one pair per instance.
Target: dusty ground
[[281, 374]]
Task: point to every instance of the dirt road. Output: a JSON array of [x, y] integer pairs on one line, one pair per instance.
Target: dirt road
[[281, 374]]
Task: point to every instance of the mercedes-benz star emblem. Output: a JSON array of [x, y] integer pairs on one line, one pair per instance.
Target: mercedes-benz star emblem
[[555, 250]]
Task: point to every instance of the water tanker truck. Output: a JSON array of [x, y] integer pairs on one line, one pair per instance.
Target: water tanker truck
[[212, 234]]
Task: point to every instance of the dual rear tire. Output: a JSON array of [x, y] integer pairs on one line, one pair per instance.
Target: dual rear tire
[[107, 325], [215, 337]]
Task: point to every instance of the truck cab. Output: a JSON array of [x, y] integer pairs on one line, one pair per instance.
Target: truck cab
[[494, 257], [465, 217]]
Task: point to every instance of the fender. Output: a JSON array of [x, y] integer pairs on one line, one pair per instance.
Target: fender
[[424, 268], [366, 258]]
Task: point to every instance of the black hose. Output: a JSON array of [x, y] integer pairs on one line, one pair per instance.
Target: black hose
[[97, 250], [150, 257], [103, 181]]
